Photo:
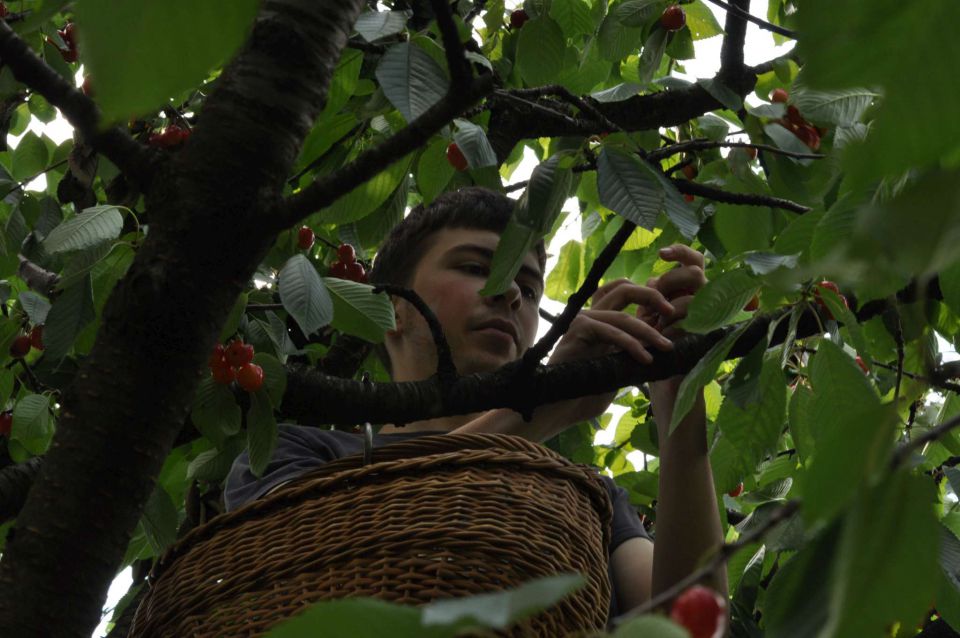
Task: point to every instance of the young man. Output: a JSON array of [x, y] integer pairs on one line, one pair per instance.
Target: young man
[[444, 252]]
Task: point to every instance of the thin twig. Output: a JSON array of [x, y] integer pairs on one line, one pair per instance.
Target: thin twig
[[746, 199], [702, 144], [563, 93], [763, 24], [537, 107], [33, 177], [723, 554], [898, 337], [903, 452], [446, 368], [460, 72], [577, 300]]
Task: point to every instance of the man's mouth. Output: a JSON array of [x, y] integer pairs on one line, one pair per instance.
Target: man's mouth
[[503, 326]]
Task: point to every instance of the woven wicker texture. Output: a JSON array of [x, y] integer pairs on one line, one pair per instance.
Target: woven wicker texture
[[435, 517]]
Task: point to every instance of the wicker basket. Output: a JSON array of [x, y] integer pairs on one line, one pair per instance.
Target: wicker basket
[[434, 517]]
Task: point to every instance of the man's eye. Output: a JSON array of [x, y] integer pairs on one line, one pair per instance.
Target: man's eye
[[528, 292], [476, 269]]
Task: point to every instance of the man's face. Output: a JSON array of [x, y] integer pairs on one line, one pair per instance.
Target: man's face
[[484, 333]]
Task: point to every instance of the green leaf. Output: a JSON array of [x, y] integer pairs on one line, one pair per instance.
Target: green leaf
[[214, 465], [743, 386], [546, 192], [474, 144], [69, 314], [373, 25], [30, 157], [357, 618], [233, 319], [797, 598], [653, 50], [515, 242], [358, 312], [160, 520], [274, 377], [573, 16], [500, 609], [261, 431], [832, 108], [540, 51], [722, 93], [754, 431], [128, 48], [215, 411], [701, 375], [33, 424], [701, 21], [35, 306], [628, 187], [720, 300], [950, 286], [787, 141], [433, 170], [852, 430], [89, 228], [616, 39], [411, 79], [636, 13], [304, 295], [365, 199], [893, 520], [713, 127], [650, 626], [680, 46]]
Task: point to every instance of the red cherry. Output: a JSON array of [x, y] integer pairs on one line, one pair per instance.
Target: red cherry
[[863, 365], [250, 377], [701, 611], [779, 96], [809, 136], [87, 86], [223, 374], [518, 18], [67, 33], [6, 424], [689, 171], [305, 238], [829, 285], [751, 153], [346, 253], [238, 353], [20, 347], [216, 357], [36, 337], [673, 18], [737, 491], [355, 272], [338, 269], [688, 197], [3, 10], [753, 304], [794, 117], [456, 157]]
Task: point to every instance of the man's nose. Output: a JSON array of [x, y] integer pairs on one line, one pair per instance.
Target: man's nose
[[511, 296]]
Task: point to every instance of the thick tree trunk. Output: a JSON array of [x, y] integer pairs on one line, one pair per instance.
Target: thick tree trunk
[[120, 417]]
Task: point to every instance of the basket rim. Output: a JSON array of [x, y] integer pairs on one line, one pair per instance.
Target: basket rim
[[404, 457]]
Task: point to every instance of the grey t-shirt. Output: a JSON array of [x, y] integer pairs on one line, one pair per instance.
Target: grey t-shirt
[[301, 449]]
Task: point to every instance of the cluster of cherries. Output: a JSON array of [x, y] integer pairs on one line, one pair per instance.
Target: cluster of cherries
[[235, 363], [171, 137], [69, 38], [795, 123], [346, 266], [22, 344]]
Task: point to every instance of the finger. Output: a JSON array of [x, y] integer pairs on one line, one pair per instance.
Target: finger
[[622, 296], [612, 335], [607, 288], [682, 304], [635, 328], [682, 281], [684, 255]]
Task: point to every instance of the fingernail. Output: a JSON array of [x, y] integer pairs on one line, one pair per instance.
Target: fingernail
[[666, 251]]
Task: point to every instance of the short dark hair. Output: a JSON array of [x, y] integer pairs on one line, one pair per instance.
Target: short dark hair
[[472, 207]]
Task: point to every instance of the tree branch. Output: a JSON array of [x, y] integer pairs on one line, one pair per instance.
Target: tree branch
[[328, 188], [735, 35], [36, 278], [15, 482], [133, 159], [461, 75], [702, 144], [763, 24], [746, 199]]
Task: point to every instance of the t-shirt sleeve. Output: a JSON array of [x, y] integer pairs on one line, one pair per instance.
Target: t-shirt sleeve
[[626, 521], [298, 450]]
